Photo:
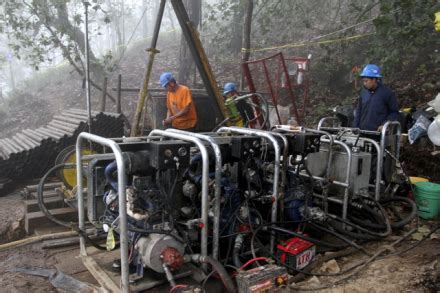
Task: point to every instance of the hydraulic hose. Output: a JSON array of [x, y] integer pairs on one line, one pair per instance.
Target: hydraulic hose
[[73, 225], [343, 238], [218, 267], [351, 234], [395, 225], [236, 252], [410, 217], [362, 229], [40, 198], [302, 236]]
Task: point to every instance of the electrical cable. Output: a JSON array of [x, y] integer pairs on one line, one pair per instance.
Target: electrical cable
[[212, 273], [254, 260], [343, 238], [342, 272], [359, 267], [273, 256], [418, 242], [307, 238]]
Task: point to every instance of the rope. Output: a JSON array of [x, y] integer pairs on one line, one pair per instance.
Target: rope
[[303, 44], [310, 42]]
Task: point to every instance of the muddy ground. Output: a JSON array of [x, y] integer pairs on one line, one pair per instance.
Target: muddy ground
[[418, 270]]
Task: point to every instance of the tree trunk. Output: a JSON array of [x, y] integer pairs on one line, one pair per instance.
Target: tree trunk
[[237, 33], [194, 8], [169, 9], [247, 35], [60, 21]]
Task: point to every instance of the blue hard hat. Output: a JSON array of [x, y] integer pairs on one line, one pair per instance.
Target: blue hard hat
[[371, 70], [229, 87], [165, 78]]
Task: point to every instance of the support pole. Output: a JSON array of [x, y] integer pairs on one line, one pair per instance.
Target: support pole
[[86, 36], [118, 97], [144, 90], [201, 60], [104, 95]]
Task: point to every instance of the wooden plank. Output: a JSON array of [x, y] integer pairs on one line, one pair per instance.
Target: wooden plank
[[52, 185], [39, 219], [31, 205]]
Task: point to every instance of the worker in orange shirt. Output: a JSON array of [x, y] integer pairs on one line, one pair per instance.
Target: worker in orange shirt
[[181, 113]]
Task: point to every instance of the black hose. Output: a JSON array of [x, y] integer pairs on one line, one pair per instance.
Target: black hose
[[343, 238], [362, 229], [72, 225], [409, 218], [94, 244], [351, 234], [40, 196], [218, 267], [395, 225], [236, 250], [302, 236], [371, 225]]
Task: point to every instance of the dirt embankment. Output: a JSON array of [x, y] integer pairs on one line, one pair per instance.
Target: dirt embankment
[[11, 218]]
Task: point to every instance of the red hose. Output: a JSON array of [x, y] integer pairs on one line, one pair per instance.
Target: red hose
[[178, 287], [254, 260]]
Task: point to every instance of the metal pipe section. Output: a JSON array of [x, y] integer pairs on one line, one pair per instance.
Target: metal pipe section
[[285, 155], [205, 174], [339, 183], [121, 200], [383, 134], [218, 178], [276, 179], [332, 199], [324, 119], [348, 178], [378, 168]]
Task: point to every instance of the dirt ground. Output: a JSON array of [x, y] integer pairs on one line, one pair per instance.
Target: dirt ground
[[418, 270]]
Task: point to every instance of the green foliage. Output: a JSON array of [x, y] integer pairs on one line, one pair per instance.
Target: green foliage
[[37, 27], [405, 39]]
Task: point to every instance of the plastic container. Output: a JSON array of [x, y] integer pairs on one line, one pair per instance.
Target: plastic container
[[427, 195], [415, 180]]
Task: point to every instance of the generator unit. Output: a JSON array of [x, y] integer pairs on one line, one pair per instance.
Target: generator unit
[[183, 204]]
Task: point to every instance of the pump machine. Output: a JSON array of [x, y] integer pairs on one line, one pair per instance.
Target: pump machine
[[182, 208]]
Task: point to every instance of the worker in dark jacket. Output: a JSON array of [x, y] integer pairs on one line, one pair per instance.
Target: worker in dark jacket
[[377, 103]]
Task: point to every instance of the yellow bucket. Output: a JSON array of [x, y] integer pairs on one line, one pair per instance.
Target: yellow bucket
[[415, 180]]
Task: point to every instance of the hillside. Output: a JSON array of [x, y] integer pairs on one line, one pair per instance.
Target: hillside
[[54, 90]]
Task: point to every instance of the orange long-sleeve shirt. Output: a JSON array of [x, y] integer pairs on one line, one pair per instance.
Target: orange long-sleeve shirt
[[178, 100]]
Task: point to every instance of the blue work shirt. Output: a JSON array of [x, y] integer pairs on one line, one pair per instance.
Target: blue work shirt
[[375, 107]]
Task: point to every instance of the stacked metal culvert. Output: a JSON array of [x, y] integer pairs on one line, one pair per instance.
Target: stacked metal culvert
[[30, 153]]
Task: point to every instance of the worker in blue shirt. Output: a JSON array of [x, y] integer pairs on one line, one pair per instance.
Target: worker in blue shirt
[[377, 103]]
